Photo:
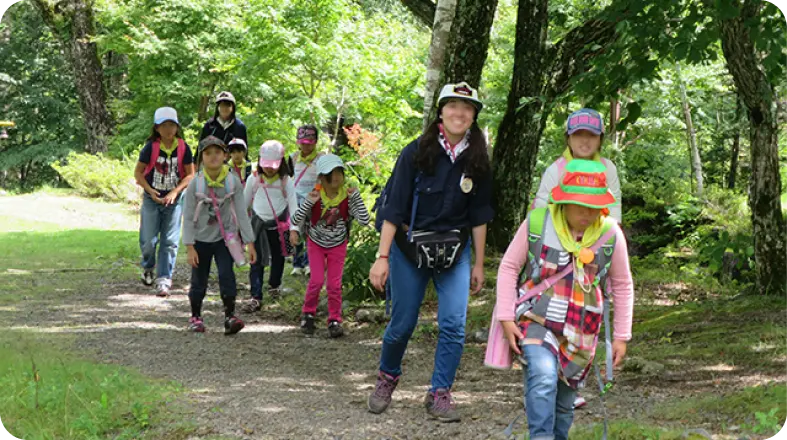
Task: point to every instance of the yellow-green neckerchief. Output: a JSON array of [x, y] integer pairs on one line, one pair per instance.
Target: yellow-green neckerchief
[[219, 182], [270, 180], [328, 203], [307, 159], [590, 236], [169, 150], [240, 169], [568, 156]]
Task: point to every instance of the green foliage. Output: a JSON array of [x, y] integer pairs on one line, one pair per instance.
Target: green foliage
[[360, 257], [38, 94], [98, 176], [50, 394]]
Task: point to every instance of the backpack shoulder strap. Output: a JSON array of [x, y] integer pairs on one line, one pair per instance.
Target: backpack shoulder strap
[[536, 221], [561, 167], [154, 154], [344, 209], [181, 157], [316, 212]]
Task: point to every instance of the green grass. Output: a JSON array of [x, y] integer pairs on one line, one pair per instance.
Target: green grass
[[628, 431], [50, 394]]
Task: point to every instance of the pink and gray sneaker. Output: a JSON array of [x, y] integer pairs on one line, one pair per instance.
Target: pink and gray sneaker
[[381, 397]]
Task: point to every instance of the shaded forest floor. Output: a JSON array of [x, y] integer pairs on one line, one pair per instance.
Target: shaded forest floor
[[699, 360]]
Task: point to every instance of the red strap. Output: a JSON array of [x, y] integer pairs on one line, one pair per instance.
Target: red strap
[[156, 151], [301, 175]]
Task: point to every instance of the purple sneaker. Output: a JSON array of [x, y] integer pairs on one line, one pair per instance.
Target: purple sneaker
[[440, 405], [381, 397]]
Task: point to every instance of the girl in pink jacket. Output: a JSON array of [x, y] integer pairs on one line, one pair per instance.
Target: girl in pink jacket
[[549, 296]]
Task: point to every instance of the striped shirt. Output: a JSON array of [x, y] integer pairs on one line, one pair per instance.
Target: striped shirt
[[329, 236]]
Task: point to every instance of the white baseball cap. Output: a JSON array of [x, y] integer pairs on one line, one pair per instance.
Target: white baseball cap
[[225, 96], [328, 163], [237, 141], [271, 154], [460, 90], [164, 114]]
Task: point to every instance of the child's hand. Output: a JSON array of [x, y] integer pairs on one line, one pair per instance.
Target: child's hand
[[351, 190], [513, 334], [314, 196], [170, 198], [154, 195], [192, 256], [294, 238], [252, 253]]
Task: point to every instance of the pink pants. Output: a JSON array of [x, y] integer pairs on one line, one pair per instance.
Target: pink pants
[[321, 259]]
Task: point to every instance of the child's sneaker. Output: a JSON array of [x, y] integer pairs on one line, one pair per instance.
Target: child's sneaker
[[440, 405], [196, 325], [307, 324], [254, 305], [296, 271], [335, 329], [307, 271], [579, 402], [274, 292], [381, 396], [148, 277], [162, 290], [232, 325]]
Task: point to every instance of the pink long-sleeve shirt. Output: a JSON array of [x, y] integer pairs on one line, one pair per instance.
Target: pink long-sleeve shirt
[[619, 276]]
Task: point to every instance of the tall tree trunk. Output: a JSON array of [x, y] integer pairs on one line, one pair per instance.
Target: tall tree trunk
[[468, 44], [756, 92], [691, 135], [440, 33], [72, 22], [736, 148], [541, 74], [423, 10]]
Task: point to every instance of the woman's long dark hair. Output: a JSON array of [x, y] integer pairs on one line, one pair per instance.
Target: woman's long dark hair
[[429, 149]]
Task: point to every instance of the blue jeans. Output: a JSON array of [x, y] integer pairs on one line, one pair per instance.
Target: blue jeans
[[408, 285], [549, 402], [160, 225]]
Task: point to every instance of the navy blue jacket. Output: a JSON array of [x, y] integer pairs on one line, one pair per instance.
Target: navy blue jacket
[[213, 128], [442, 205]]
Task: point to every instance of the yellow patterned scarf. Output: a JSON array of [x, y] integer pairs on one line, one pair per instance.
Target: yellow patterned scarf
[[591, 235], [568, 156], [219, 182], [328, 203]]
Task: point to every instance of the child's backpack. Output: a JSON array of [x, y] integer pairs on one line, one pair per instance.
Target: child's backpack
[[282, 227], [343, 213], [156, 151]]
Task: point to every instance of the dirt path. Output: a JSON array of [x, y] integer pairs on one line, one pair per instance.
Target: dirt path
[[270, 382]]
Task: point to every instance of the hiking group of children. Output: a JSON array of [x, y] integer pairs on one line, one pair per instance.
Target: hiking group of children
[[227, 205], [554, 284]]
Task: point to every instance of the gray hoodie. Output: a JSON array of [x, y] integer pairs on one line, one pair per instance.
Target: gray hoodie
[[206, 228]]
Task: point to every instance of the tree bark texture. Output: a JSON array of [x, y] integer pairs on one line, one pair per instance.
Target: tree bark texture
[[736, 149], [756, 92], [72, 22], [440, 34], [691, 134]]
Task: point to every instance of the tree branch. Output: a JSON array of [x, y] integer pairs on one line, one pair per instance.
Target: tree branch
[[568, 57], [423, 10]]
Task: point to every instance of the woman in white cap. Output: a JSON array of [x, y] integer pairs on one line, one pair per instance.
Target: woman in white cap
[[164, 170], [437, 198], [224, 124]]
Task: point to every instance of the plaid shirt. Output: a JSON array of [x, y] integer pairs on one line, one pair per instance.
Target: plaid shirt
[[564, 318]]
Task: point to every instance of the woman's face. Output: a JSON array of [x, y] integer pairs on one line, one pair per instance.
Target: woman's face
[[584, 144], [225, 110], [167, 130], [580, 217], [458, 116]]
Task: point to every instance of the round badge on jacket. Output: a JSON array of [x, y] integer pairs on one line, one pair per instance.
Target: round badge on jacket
[[466, 184]]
